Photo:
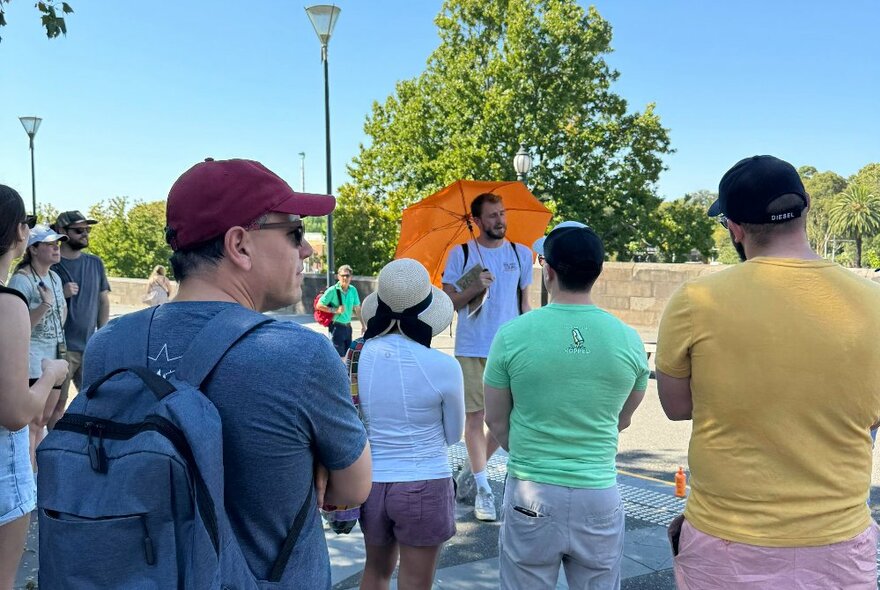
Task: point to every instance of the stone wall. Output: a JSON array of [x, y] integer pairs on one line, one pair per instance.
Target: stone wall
[[634, 292]]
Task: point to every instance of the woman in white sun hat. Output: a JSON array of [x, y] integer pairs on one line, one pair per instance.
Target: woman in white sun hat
[[412, 403]]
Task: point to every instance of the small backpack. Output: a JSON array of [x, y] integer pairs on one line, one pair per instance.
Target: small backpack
[[325, 318], [130, 480]]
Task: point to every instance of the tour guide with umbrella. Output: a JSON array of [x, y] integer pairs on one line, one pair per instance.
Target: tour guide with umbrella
[[434, 225]]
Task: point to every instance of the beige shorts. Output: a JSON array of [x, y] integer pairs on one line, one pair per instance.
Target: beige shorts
[[472, 368]]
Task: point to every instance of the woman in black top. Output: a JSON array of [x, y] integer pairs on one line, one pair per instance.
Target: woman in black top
[[19, 405]]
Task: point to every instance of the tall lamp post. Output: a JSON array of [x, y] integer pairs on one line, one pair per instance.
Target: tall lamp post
[[302, 171], [324, 17], [31, 124], [522, 163]]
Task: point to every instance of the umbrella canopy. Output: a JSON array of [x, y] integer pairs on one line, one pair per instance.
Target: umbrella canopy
[[434, 225]]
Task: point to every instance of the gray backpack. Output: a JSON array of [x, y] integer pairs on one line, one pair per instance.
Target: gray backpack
[[130, 484]]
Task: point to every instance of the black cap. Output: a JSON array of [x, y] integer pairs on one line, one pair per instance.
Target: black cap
[[574, 250], [68, 218], [747, 189]]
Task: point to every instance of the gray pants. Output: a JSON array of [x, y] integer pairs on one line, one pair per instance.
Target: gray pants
[[545, 525]]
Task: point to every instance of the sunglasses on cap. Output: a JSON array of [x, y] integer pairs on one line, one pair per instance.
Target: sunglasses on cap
[[30, 221]]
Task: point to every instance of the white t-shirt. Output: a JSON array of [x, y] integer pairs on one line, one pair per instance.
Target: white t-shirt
[[46, 335], [412, 401], [473, 336]]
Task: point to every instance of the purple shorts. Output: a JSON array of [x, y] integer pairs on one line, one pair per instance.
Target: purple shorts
[[415, 513]]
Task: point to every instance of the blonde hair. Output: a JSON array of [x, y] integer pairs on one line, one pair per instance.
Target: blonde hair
[[158, 277]]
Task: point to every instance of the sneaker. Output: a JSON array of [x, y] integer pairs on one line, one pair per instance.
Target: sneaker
[[466, 486], [484, 506]]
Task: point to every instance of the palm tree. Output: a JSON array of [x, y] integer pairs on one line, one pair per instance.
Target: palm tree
[[855, 212]]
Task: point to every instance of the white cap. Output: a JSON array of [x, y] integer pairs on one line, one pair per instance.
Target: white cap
[[538, 246], [44, 233]]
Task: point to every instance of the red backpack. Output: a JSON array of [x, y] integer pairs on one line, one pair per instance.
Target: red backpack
[[325, 318]]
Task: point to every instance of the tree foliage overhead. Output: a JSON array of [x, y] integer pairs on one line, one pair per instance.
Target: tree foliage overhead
[[508, 72], [129, 237], [51, 16]]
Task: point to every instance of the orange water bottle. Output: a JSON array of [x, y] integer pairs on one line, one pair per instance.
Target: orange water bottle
[[680, 483]]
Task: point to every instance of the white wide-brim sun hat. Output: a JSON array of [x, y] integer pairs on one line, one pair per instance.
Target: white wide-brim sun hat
[[403, 284]]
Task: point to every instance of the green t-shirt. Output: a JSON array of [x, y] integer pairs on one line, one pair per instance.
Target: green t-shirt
[[569, 368], [349, 299]]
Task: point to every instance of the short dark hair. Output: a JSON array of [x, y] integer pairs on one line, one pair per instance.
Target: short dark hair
[[12, 215], [763, 233], [580, 279], [186, 263], [479, 200]]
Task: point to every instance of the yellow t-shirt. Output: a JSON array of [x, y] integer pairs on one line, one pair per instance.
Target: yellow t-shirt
[[785, 378]]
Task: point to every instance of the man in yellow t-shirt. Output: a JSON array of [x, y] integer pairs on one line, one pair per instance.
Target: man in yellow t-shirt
[[776, 362]]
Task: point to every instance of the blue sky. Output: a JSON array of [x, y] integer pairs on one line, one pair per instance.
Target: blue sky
[[136, 93]]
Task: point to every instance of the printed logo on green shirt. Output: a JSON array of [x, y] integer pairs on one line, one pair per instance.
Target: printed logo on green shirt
[[579, 341]]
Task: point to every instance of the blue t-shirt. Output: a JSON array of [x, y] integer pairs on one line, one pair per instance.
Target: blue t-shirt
[[283, 398], [87, 271]]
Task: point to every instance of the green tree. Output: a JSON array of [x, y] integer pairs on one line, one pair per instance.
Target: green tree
[[52, 16], [47, 213], [822, 187], [682, 226], [856, 212], [725, 253], [869, 177], [506, 72], [130, 238], [369, 237]]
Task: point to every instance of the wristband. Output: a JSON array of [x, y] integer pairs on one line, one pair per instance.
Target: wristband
[[47, 304]]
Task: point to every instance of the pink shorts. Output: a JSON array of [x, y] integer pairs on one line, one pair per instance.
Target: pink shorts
[[415, 513], [705, 562]]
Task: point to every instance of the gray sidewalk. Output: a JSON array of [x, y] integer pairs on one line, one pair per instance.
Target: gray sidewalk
[[470, 559]]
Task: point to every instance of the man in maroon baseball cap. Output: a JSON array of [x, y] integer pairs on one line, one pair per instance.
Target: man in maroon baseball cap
[[282, 395]]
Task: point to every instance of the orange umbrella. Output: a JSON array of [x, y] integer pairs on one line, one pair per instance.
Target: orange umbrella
[[434, 225]]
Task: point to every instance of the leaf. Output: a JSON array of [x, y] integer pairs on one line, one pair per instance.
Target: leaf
[[66, 9]]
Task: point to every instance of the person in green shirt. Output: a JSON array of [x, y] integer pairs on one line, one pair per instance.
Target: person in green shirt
[[343, 301], [561, 382]]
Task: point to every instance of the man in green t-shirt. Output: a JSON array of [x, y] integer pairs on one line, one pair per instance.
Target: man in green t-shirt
[[560, 383], [343, 301]]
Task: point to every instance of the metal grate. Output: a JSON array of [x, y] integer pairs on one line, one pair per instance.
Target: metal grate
[[650, 506], [496, 469]]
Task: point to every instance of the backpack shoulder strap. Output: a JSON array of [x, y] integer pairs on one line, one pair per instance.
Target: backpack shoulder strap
[[519, 294], [214, 340], [464, 249], [352, 360]]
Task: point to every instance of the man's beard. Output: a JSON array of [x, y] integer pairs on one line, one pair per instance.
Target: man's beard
[[738, 247], [496, 234], [77, 245]]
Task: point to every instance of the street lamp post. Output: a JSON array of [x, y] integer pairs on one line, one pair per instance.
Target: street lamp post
[[31, 124], [324, 17], [302, 171], [522, 163]]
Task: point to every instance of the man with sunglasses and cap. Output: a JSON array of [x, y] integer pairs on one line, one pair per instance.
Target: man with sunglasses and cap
[[561, 382], [237, 236], [775, 361], [344, 302], [86, 290]]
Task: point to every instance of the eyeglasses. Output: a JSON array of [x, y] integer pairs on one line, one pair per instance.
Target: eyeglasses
[[296, 231], [80, 230], [540, 260], [723, 221], [30, 221], [344, 276]]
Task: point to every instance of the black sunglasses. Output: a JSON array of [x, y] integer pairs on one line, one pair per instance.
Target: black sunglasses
[[80, 230], [723, 221], [297, 231], [30, 221]]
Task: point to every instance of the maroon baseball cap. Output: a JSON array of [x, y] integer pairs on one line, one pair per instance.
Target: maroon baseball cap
[[215, 195]]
